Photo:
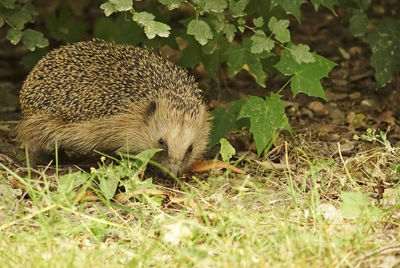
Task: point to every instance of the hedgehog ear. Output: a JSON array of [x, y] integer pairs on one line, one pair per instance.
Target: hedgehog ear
[[151, 109]]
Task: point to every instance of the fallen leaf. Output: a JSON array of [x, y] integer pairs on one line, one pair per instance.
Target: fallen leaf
[[208, 165], [386, 117], [317, 107], [329, 137], [85, 196]]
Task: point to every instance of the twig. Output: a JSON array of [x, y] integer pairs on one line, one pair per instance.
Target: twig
[[380, 250]]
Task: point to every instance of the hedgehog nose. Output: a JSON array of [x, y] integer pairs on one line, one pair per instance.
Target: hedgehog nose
[[175, 166]]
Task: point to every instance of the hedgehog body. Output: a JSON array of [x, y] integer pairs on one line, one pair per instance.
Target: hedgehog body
[[102, 96]]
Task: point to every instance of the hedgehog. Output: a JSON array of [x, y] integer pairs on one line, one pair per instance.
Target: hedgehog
[[97, 95]]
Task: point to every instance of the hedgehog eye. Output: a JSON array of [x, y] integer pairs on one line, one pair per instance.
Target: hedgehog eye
[[161, 142]]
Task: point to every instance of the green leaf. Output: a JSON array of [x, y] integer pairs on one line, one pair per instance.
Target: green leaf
[[151, 27], [63, 27], [227, 150], [109, 181], [201, 31], [1, 22], [122, 5], [266, 117], [358, 23], [32, 39], [226, 120], [229, 30], [306, 76], [143, 159], [143, 17], [261, 43], [240, 57], [355, 204], [14, 36], [327, 3], [191, 54], [384, 41], [118, 30], [216, 6], [171, 4], [10, 4], [280, 29], [68, 182], [290, 6], [108, 8], [18, 18], [29, 60], [211, 63], [237, 8], [301, 53], [258, 22]]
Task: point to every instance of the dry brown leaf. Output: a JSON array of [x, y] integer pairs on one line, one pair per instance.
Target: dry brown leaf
[[85, 196], [317, 107], [208, 165], [386, 117]]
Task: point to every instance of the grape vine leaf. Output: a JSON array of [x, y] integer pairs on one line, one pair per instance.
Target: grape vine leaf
[[384, 41], [32, 39], [305, 76], [261, 43], [358, 22], [150, 26], [258, 22], [301, 53], [280, 29], [224, 121], [108, 8], [171, 4], [240, 57], [18, 18], [290, 6], [14, 36], [229, 30], [116, 5], [200, 30], [327, 3], [266, 117], [216, 6], [237, 8]]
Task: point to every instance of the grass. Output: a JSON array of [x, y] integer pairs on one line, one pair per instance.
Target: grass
[[297, 217]]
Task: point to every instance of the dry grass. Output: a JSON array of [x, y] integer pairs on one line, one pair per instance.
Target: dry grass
[[281, 214]]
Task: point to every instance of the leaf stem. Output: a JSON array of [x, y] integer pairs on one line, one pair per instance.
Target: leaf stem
[[283, 87]]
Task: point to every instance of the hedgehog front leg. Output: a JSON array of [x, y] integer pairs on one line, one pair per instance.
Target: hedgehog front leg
[[33, 152]]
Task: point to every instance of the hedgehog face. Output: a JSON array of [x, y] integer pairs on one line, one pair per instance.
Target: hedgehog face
[[182, 135]]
